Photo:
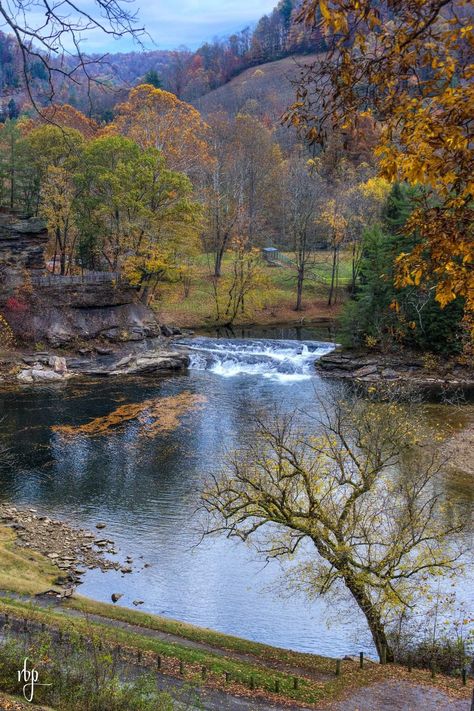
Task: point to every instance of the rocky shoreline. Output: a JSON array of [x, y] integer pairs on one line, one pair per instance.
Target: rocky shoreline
[[97, 360], [405, 369], [72, 550]]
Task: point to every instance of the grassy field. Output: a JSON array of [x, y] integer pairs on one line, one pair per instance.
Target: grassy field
[[23, 570], [274, 303]]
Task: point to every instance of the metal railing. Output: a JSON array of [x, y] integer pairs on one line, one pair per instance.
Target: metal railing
[[75, 279]]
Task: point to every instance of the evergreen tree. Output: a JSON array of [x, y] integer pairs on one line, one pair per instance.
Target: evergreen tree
[[380, 311], [152, 77]]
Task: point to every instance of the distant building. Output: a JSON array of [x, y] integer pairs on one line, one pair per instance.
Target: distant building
[[270, 254]]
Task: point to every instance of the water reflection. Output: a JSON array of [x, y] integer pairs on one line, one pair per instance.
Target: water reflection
[[146, 491]]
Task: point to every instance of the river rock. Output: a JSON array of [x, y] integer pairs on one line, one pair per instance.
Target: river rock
[[390, 374], [24, 376], [100, 525], [47, 376], [138, 602], [116, 596], [365, 371], [58, 364]]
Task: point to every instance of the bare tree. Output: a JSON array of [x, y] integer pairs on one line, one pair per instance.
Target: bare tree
[[303, 197], [356, 489], [52, 33]]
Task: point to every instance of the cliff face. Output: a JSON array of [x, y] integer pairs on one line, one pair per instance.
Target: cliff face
[[59, 310]]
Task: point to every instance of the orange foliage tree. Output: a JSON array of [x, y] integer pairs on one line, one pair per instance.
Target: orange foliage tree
[[154, 118], [64, 116], [408, 64]]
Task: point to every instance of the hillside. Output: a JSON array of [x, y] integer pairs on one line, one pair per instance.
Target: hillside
[[265, 91]]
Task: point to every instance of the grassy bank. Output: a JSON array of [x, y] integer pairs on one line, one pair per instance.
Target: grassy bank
[[226, 673], [274, 303], [23, 570]]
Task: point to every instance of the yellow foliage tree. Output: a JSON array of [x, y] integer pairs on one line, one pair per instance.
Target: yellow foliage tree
[[409, 65], [155, 118]]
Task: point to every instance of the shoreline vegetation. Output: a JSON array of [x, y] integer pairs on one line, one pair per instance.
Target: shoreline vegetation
[[31, 597]]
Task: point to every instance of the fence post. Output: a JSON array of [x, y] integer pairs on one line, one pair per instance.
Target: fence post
[[203, 673], [410, 663], [158, 661], [464, 676], [277, 686], [433, 669], [227, 677], [295, 683], [361, 660], [383, 655], [252, 682], [181, 667], [338, 667]]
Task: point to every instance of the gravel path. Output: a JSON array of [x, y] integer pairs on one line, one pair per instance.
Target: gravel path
[[398, 696]]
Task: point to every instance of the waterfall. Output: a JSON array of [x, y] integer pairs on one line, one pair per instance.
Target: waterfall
[[285, 361]]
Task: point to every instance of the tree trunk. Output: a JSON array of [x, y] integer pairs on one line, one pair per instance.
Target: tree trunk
[[333, 275], [299, 289], [372, 616], [218, 263]]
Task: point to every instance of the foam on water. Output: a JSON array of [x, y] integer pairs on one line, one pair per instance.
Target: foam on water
[[283, 361]]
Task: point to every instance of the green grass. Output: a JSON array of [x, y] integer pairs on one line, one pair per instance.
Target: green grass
[[227, 642], [309, 691], [274, 304], [241, 672], [21, 569]]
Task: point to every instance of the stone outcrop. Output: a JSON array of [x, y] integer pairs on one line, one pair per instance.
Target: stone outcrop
[[59, 310], [46, 368], [405, 369]]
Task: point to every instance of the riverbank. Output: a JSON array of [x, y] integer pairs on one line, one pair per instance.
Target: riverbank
[[30, 366], [235, 668], [405, 369], [223, 678]]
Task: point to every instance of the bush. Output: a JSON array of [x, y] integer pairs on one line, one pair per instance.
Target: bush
[[83, 679]]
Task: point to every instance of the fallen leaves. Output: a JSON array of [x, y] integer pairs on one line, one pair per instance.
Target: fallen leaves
[[161, 414]]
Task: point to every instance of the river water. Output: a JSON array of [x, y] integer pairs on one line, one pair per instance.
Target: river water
[[146, 488]]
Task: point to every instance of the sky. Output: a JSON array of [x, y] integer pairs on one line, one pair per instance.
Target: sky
[[169, 23], [192, 22]]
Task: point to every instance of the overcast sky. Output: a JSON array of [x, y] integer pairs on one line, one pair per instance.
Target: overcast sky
[[170, 23], [192, 22]]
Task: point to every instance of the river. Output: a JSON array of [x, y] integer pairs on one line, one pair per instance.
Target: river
[[146, 488]]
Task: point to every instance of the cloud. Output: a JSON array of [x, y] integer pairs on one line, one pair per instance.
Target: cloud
[[186, 22], [170, 23]]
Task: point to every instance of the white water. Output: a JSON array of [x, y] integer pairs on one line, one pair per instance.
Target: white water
[[283, 361]]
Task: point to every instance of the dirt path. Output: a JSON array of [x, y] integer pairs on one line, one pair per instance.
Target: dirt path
[[398, 696], [203, 646]]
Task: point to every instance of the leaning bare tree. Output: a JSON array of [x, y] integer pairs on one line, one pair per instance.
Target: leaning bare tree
[[357, 489], [52, 33]]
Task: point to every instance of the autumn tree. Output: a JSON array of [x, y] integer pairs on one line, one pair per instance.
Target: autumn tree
[[64, 116], [409, 66], [155, 118], [239, 289], [222, 191], [304, 193], [58, 199], [259, 161], [134, 211], [359, 490]]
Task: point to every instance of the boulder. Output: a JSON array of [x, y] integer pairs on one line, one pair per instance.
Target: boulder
[[58, 364], [47, 376], [24, 376]]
